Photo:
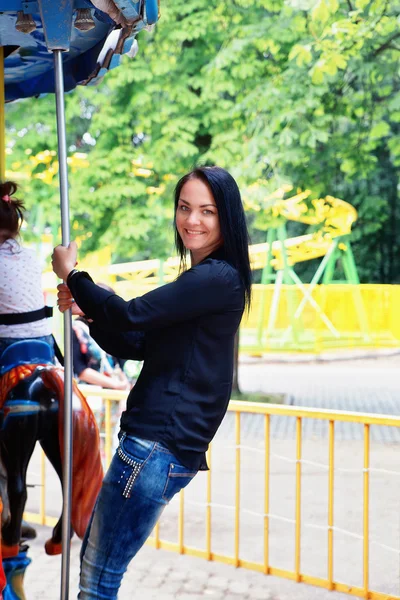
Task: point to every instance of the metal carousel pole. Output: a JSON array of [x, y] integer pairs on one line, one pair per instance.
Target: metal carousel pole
[[65, 229], [57, 23]]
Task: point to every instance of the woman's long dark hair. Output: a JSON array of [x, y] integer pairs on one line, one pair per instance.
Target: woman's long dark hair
[[231, 218]]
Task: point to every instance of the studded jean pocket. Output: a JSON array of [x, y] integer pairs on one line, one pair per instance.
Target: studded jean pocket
[[134, 466]]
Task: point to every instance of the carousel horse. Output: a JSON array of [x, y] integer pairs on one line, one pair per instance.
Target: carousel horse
[[31, 410]]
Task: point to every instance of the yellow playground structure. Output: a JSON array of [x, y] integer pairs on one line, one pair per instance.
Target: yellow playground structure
[[287, 314], [333, 217]]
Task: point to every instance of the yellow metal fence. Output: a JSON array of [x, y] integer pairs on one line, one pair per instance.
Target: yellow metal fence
[[267, 412]]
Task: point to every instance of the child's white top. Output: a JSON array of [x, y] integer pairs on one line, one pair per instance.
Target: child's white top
[[21, 289]]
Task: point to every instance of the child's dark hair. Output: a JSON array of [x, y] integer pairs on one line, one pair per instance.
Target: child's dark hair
[[11, 209], [231, 218]]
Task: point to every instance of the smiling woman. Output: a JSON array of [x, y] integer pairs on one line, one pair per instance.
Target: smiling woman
[[216, 197], [197, 220], [184, 332]]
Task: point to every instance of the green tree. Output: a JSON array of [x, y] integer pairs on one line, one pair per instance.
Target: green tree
[[304, 92]]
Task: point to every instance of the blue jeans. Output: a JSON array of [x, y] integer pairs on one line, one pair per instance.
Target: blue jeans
[[143, 477], [5, 342]]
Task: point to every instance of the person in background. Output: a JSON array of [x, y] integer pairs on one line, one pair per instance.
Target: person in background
[[91, 363], [23, 314]]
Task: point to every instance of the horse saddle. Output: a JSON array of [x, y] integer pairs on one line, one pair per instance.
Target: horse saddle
[[25, 352], [19, 360]]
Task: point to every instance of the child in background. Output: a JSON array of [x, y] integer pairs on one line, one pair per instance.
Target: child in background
[[23, 314]]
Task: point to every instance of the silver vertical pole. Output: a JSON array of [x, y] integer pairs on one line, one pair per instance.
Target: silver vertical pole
[[64, 203]]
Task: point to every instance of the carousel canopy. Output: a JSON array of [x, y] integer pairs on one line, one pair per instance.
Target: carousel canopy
[[94, 34]]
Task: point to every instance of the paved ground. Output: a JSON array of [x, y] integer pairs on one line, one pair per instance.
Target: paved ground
[[161, 575], [367, 385]]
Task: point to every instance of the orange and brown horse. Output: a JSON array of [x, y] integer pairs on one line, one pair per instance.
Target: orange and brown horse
[[31, 410]]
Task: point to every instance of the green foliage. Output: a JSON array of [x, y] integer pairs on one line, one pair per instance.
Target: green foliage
[[304, 92]]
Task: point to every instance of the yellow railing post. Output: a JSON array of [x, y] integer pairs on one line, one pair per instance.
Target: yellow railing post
[[237, 489], [298, 497], [157, 535], [330, 502], [208, 506], [366, 512], [2, 118], [108, 432], [266, 492], [181, 520]]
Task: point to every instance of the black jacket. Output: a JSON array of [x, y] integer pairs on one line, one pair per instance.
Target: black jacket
[[184, 331]]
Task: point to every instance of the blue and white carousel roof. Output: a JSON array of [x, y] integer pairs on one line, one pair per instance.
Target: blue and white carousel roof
[[93, 34]]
